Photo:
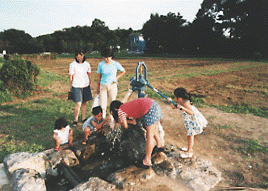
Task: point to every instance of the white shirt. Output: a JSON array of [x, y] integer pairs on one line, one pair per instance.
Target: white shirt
[[80, 71]]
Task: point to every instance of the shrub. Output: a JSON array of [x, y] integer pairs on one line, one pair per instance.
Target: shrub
[[19, 76], [54, 55]]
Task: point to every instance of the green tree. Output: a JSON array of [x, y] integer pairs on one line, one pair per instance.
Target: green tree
[[246, 22], [161, 33], [17, 41]]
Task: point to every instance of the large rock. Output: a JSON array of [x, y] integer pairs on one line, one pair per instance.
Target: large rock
[[198, 172], [27, 160], [130, 177], [27, 180], [94, 184]]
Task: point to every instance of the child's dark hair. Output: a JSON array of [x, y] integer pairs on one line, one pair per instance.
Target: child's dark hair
[[107, 52], [79, 52], [115, 105], [60, 123], [96, 110], [181, 92]]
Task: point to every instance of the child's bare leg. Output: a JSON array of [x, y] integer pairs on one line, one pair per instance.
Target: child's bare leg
[[190, 143], [84, 110], [70, 139], [77, 107], [149, 144], [58, 142], [159, 141], [86, 133]]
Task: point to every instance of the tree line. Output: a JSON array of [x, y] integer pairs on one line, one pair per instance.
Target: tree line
[[233, 28]]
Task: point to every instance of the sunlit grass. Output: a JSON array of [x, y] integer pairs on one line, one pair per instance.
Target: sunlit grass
[[29, 126]]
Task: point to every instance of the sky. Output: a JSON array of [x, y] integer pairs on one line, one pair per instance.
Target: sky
[[41, 17]]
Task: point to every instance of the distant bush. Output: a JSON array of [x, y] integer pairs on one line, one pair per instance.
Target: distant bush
[[54, 55], [19, 77]]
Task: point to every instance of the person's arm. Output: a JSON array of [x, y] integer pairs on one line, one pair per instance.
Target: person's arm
[[120, 75], [71, 81], [98, 82], [187, 107], [124, 123], [90, 80], [55, 136], [71, 131], [173, 106], [98, 126]]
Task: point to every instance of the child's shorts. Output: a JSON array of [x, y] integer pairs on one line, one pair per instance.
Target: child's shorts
[[153, 115], [82, 94]]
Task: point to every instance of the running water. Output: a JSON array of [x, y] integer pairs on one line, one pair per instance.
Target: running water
[[115, 136]]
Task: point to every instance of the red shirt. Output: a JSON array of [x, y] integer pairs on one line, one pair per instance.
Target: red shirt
[[135, 108]]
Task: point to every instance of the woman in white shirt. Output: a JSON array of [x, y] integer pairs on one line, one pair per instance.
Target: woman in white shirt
[[80, 83]]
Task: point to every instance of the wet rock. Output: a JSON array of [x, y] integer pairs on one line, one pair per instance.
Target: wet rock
[[27, 179], [158, 158], [54, 158], [133, 143], [70, 158], [93, 184]]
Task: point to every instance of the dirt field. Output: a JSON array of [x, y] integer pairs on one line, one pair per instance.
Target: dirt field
[[222, 82]]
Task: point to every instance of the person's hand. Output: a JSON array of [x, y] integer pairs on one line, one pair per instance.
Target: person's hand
[[169, 99], [132, 121], [173, 106], [106, 120]]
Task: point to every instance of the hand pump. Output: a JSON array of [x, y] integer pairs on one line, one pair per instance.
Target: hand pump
[[140, 82]]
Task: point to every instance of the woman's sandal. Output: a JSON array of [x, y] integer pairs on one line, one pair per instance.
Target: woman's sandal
[[84, 120], [75, 123], [84, 142], [57, 148], [186, 155]]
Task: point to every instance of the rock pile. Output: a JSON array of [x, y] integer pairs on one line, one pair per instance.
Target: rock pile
[[31, 171]]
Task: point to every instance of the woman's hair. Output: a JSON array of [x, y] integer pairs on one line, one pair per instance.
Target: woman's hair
[[60, 123], [96, 110], [181, 92], [107, 52], [79, 52], [115, 105]]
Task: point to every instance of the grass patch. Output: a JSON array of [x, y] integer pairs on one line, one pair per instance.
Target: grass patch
[[46, 78], [29, 126], [244, 109], [224, 127], [250, 147]]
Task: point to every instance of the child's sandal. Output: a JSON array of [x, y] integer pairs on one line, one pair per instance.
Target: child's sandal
[[186, 155], [185, 149], [84, 142], [57, 148]]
